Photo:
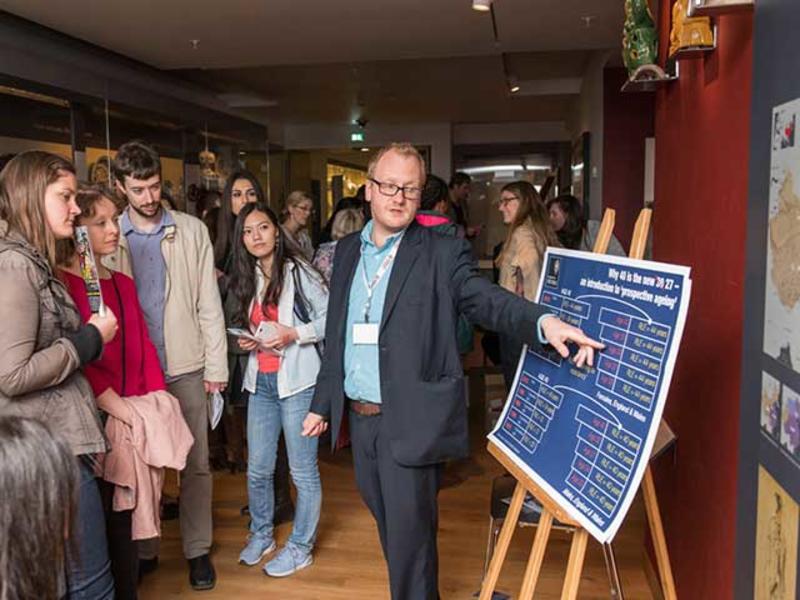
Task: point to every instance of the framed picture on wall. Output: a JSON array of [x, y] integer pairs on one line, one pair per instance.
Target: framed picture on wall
[[580, 166]]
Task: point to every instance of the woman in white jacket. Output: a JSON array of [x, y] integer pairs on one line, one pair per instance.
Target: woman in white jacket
[[278, 296]]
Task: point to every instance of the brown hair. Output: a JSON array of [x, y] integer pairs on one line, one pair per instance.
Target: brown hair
[[136, 160], [23, 184], [531, 210], [401, 148], [87, 198], [39, 478]]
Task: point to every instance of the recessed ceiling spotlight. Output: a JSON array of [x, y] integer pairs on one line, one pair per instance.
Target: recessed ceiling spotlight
[[514, 88], [365, 149], [482, 5]]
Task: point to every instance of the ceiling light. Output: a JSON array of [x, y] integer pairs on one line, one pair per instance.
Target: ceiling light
[[365, 149], [482, 5], [514, 88]]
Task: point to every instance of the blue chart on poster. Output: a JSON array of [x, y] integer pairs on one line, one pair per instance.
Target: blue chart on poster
[[585, 435]]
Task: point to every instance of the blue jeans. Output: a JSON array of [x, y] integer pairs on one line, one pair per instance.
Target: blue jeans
[[266, 416], [89, 569]]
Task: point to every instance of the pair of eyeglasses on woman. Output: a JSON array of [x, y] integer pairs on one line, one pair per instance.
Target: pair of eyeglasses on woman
[[391, 189], [504, 201]]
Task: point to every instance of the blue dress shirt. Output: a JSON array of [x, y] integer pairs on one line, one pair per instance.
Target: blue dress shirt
[[362, 379], [150, 276]]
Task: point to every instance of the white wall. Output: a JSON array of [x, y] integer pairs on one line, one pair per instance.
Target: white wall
[[589, 117], [337, 135], [511, 133]]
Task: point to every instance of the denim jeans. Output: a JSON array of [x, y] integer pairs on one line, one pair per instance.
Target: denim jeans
[[266, 416], [89, 570]]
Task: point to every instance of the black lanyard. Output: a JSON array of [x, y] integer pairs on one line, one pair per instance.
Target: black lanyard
[[122, 333]]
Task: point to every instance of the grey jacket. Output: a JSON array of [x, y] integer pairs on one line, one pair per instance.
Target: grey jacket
[[42, 346]]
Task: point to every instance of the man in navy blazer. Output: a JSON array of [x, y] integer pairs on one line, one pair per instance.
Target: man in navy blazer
[[391, 360]]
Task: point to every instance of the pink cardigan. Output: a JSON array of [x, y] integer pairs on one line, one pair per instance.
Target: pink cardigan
[[157, 438]]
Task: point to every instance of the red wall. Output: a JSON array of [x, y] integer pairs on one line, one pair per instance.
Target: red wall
[[702, 143], [627, 121]]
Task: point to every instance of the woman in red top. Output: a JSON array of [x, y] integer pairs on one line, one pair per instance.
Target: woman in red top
[[129, 364]]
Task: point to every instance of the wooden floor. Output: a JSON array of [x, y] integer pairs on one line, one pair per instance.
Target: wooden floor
[[347, 560]]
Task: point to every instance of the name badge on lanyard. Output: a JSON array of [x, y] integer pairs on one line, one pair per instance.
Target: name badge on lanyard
[[366, 333]]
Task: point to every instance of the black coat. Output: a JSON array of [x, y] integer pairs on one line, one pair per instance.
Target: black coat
[[434, 278]]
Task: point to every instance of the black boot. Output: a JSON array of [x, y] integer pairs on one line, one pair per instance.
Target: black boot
[[201, 573]]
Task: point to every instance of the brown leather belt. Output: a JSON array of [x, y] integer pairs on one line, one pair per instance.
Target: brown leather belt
[[365, 409]]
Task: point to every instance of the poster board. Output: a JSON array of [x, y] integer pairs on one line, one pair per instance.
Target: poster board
[[584, 436]]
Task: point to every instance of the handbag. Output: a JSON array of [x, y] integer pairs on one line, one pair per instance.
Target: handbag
[[302, 306]]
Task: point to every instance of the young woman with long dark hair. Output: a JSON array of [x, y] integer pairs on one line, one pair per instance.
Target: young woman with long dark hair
[[45, 344], [242, 188], [274, 287]]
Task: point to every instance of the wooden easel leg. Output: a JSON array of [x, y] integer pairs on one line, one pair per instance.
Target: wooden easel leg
[[577, 552], [537, 555], [657, 533], [512, 516], [613, 572]]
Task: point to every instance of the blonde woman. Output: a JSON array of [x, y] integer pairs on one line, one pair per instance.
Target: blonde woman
[[294, 222], [520, 262], [345, 222]]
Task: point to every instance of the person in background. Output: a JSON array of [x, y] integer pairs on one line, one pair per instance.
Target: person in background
[[295, 219], [344, 203], [460, 183], [574, 230], [127, 370], [208, 201], [39, 478], [361, 196], [520, 261], [44, 344], [242, 188], [210, 219], [434, 206], [346, 221], [392, 363], [432, 214], [170, 257], [274, 287]]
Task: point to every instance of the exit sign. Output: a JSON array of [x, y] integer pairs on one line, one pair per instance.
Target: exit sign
[[357, 137]]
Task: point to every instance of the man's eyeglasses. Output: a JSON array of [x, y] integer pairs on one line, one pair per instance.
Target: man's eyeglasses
[[391, 189]]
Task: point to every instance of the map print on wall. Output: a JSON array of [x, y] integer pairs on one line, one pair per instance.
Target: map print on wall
[[782, 302], [776, 541]]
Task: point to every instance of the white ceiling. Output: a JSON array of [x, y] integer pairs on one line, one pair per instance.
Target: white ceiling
[[324, 60]]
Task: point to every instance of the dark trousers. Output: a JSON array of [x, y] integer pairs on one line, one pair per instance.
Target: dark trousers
[[122, 550], [403, 501]]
